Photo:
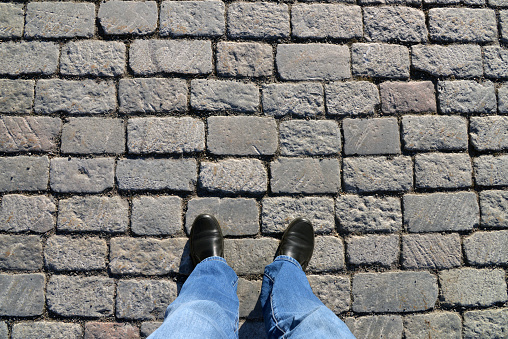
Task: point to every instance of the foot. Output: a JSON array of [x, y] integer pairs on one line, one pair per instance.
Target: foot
[[206, 238], [298, 241]]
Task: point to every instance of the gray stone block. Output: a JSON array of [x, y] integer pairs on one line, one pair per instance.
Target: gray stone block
[[96, 330], [29, 57], [234, 176], [470, 287], [278, 212], [380, 60], [144, 299], [192, 18], [313, 61], [376, 326], [148, 327], [248, 293], [394, 292], [462, 25], [328, 255], [446, 325], [351, 98], [22, 134], [498, 3], [46, 329], [373, 174], [491, 171], [62, 253], [494, 209], [4, 331], [128, 17], [431, 251], [74, 97], [152, 95], [93, 136], [326, 21], [250, 256], [487, 248], [149, 256], [443, 170], [71, 296], [406, 97], [161, 215], [12, 19], [494, 60], [82, 175], [236, 216], [365, 214], [488, 323], [298, 99], [394, 23], [27, 213], [242, 135], [489, 133], [156, 174], [466, 96], [93, 214], [165, 135], [371, 136], [314, 137], [59, 20], [439, 212], [305, 175], [20, 252], [373, 250], [93, 58], [244, 59], [258, 20], [24, 173], [390, 2], [219, 95], [16, 96], [170, 56], [334, 291], [22, 295], [434, 133], [459, 61]]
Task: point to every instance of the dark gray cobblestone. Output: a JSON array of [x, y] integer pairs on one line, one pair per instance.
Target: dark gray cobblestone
[[20, 252], [376, 326], [437, 324]]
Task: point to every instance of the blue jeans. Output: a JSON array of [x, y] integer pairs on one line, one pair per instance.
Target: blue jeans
[[207, 306]]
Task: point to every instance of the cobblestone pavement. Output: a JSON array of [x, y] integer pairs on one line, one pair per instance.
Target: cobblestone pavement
[[384, 123]]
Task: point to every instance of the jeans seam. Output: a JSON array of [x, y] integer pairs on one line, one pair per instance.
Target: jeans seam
[[275, 319]]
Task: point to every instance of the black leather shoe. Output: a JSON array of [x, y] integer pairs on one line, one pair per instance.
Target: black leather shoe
[[206, 238], [298, 241]]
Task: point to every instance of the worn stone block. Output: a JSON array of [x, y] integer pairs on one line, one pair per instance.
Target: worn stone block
[[443, 170], [313, 61], [438, 212], [406, 97], [489, 133], [236, 216], [21, 213], [248, 256], [394, 292], [144, 299], [93, 57], [314, 137], [248, 293], [380, 60], [219, 95], [20, 252], [326, 21], [233, 176], [93, 135], [24, 173], [373, 174], [12, 19], [4, 331], [351, 98], [470, 287], [488, 323], [16, 96], [376, 326], [22, 295], [165, 135], [128, 17], [466, 96], [46, 329], [431, 251], [334, 291], [494, 60], [244, 59], [148, 327], [156, 174], [82, 175], [192, 18], [29, 57], [93, 213], [100, 330], [60, 20], [373, 249], [259, 20], [328, 255], [371, 136], [390, 2], [159, 215], [80, 254], [22, 134], [305, 175], [278, 212], [487, 248], [494, 209], [299, 99], [394, 23], [491, 171], [434, 133], [446, 325]]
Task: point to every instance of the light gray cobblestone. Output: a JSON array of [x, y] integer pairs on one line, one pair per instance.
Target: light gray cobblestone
[[20, 252], [244, 59], [22, 213], [4, 331], [161, 215], [443, 170], [93, 136], [218, 95], [299, 99], [128, 17], [371, 136], [328, 255], [249, 256], [24, 173], [446, 325], [12, 19], [258, 20], [334, 291], [80, 254], [431, 251], [494, 62], [394, 23], [301, 137], [22, 295], [373, 249], [29, 57], [487, 248], [46, 329], [192, 18], [491, 171], [434, 133], [22, 134], [93, 57], [82, 175], [489, 323], [466, 96], [376, 326], [16, 96], [502, 93], [489, 133], [406, 97], [94, 330], [351, 98], [494, 209], [380, 60]]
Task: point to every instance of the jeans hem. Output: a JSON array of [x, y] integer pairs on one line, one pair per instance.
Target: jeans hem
[[289, 259]]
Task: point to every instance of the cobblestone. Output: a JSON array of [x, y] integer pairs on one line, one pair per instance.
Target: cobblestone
[[394, 23], [261, 20], [22, 134], [28, 57], [24, 173], [22, 295], [434, 133], [494, 62], [431, 251], [27, 213], [446, 325], [217, 95], [490, 323], [160, 215], [192, 18], [148, 327], [373, 249], [301, 137], [443, 170], [244, 59], [407, 97], [300, 99], [351, 98], [81, 254], [20, 252], [46, 329], [494, 209], [249, 256], [376, 326], [248, 292], [489, 133], [371, 136], [328, 255], [466, 96], [4, 331], [487, 248], [16, 96], [491, 171], [93, 136], [99, 330], [96, 58], [333, 290], [12, 19], [82, 175], [502, 93], [128, 17], [380, 60]]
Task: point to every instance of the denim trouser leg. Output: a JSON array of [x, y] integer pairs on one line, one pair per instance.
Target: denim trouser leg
[[290, 308], [207, 306]]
